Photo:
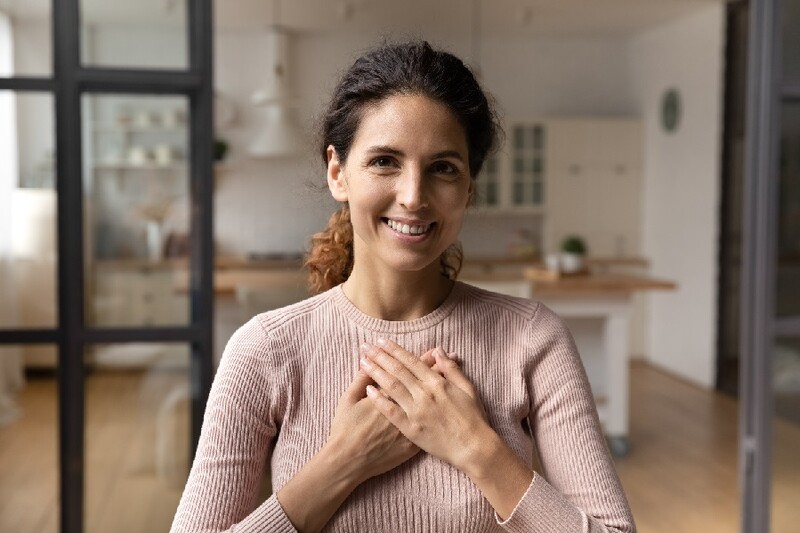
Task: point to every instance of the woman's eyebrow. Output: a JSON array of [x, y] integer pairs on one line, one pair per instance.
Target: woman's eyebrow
[[448, 153], [383, 149]]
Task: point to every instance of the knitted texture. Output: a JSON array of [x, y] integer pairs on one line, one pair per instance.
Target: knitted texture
[[282, 373]]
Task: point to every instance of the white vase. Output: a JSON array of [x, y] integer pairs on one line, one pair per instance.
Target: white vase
[[571, 262], [155, 246]]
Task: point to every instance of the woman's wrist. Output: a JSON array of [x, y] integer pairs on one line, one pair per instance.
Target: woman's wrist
[[317, 491], [500, 475]]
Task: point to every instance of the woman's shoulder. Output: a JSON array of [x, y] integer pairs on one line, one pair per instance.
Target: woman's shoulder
[[477, 296], [536, 314], [271, 333], [287, 319]]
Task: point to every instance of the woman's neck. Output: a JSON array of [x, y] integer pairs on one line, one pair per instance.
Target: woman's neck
[[399, 296]]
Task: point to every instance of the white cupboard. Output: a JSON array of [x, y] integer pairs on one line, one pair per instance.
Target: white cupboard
[[594, 185], [583, 175]]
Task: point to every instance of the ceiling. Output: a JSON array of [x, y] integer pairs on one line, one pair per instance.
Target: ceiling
[[497, 17]]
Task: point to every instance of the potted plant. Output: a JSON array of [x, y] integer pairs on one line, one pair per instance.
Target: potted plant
[[573, 251]]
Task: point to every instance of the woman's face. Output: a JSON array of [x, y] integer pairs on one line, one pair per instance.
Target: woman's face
[[407, 181]]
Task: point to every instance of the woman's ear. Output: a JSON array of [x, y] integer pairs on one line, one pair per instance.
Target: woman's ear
[[337, 182]]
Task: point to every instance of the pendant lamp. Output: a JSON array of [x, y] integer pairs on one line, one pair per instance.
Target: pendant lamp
[[278, 133]]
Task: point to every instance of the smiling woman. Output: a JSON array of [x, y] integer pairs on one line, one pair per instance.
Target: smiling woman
[[398, 398]]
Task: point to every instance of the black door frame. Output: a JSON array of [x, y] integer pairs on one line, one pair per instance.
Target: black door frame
[[69, 81]]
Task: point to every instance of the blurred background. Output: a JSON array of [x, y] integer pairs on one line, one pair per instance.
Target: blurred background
[[624, 127]]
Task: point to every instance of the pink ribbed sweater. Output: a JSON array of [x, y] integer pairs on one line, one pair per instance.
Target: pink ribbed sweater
[[283, 372]]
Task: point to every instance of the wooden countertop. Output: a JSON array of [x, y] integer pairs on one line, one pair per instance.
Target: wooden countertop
[[588, 284], [488, 262]]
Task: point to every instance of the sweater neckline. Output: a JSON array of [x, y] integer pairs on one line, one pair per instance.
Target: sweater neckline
[[371, 323]]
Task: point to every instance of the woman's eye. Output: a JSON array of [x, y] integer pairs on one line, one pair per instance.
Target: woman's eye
[[443, 167], [382, 162]]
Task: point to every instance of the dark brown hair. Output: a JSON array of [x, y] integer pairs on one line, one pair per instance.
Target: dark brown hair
[[391, 69]]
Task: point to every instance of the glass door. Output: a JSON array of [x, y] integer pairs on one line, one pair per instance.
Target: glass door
[[105, 212]]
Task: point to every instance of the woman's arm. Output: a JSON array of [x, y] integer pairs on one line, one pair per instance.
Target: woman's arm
[[245, 403], [443, 417], [362, 444]]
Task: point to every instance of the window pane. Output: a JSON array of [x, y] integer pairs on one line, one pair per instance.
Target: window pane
[[788, 276], [27, 212], [136, 212], [28, 440], [786, 435], [144, 34], [137, 435], [25, 38]]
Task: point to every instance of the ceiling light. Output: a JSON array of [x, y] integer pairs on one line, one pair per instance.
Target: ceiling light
[[278, 133]]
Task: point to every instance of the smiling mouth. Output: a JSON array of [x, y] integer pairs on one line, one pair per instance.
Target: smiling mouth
[[407, 229]]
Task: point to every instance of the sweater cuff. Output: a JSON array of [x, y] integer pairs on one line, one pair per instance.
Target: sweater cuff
[[268, 516], [542, 509]]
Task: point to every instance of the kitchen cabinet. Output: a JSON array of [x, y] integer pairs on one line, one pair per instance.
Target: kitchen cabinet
[[582, 175], [513, 181], [594, 185], [137, 295]]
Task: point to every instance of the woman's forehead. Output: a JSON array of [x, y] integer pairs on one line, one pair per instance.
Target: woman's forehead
[[406, 122]]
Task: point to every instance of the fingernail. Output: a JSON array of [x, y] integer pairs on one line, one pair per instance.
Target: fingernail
[[371, 391], [365, 363], [438, 352], [381, 342], [365, 348]]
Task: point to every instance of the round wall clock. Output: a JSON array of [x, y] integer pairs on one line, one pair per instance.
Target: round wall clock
[[670, 110]]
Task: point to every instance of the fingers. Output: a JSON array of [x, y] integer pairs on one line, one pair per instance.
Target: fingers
[[387, 379], [393, 412], [428, 359], [411, 362], [452, 373]]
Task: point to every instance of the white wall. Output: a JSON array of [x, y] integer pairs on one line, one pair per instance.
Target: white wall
[[681, 198], [529, 79]]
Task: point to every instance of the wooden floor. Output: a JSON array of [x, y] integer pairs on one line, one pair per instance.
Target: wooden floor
[[681, 475]]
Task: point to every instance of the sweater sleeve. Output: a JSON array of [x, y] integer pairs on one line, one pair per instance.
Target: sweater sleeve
[[578, 490], [241, 421]]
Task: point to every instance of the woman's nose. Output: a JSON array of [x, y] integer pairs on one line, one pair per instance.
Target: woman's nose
[[411, 190]]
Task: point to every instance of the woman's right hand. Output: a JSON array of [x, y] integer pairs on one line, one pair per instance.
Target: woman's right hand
[[371, 444], [362, 444]]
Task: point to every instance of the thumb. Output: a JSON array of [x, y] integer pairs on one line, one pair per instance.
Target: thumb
[[357, 390], [428, 358]]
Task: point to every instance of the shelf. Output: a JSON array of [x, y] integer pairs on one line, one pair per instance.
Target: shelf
[[110, 128], [147, 167], [498, 211]]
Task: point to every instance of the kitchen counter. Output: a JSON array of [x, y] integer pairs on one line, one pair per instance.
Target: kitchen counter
[[597, 308]]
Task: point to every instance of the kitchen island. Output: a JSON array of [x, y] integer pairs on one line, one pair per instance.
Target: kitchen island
[[597, 308]]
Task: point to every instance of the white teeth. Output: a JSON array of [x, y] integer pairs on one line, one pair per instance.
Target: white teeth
[[406, 229]]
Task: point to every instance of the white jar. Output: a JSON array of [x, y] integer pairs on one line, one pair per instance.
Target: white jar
[[571, 263]]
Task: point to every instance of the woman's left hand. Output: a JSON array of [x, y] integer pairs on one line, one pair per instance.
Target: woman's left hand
[[440, 413]]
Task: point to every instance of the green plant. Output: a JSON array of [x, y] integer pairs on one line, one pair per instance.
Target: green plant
[[220, 149], [574, 245]]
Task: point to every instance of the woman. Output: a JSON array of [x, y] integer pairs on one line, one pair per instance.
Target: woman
[[398, 399]]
